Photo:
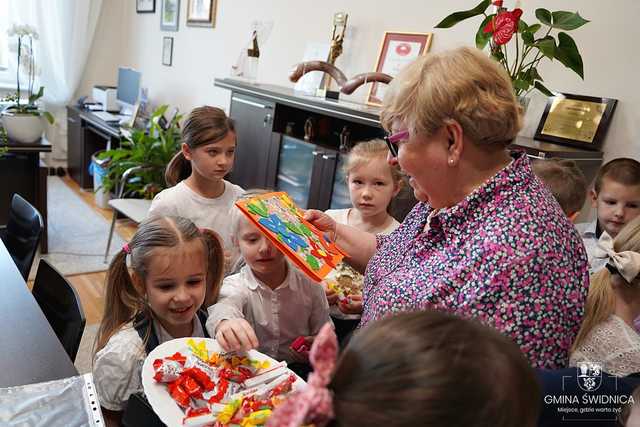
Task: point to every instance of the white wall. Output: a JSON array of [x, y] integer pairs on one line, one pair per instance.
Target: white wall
[[124, 37]]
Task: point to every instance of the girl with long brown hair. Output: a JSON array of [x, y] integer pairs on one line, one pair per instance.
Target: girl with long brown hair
[[607, 335], [198, 190], [158, 288]]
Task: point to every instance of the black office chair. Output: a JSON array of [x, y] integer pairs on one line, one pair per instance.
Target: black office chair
[[61, 306], [22, 233]]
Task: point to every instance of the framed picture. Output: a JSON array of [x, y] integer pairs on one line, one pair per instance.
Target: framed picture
[[201, 13], [396, 51], [576, 120], [169, 15], [146, 6], [167, 51]]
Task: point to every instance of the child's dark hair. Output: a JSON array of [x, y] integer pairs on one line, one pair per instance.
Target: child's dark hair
[[566, 182], [624, 170], [433, 369], [123, 301], [204, 125]]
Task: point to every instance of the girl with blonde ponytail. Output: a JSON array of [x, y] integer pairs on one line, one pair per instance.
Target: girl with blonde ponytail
[[607, 335], [198, 190], [158, 288]]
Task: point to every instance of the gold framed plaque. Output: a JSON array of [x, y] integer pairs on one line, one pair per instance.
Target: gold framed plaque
[[576, 120]]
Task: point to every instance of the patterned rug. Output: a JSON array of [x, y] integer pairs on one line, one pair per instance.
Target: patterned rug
[[77, 234]]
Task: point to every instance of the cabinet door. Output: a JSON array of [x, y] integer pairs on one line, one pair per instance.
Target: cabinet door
[[74, 145], [253, 119], [322, 178]]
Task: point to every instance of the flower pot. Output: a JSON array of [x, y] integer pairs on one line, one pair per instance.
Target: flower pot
[[25, 128]]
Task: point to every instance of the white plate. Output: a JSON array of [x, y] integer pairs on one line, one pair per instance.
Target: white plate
[[157, 394]]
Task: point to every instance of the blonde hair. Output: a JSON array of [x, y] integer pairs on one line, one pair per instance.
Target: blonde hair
[[204, 125], [461, 84], [236, 214], [565, 180], [123, 301], [601, 299], [365, 151]]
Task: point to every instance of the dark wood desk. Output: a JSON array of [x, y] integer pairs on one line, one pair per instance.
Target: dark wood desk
[[30, 351], [21, 172], [86, 134]]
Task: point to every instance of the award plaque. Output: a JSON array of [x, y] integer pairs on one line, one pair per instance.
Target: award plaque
[[576, 120]]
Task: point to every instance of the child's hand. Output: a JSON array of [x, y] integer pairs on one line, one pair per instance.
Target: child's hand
[[302, 356], [351, 306], [236, 335], [322, 222], [332, 296]]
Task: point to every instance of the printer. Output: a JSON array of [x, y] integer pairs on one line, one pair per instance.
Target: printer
[[106, 95]]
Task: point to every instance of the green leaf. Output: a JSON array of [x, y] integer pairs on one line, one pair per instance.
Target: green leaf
[[456, 17], [547, 46], [35, 96], [544, 16], [521, 84], [568, 21], [527, 38], [483, 38], [534, 28], [47, 115], [567, 53], [542, 88], [534, 74]]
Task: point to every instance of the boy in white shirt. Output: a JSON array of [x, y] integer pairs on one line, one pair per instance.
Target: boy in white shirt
[[269, 303]]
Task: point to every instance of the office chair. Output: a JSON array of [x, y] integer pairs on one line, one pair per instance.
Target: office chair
[[134, 209], [61, 305], [22, 233]]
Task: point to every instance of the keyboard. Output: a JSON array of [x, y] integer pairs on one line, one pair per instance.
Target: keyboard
[[106, 116]]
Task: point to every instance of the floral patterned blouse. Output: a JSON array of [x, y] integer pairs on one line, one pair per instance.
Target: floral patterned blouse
[[506, 255]]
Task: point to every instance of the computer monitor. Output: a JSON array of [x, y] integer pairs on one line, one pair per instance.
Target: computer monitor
[[128, 89]]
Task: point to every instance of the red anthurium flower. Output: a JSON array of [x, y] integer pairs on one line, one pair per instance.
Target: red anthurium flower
[[504, 26], [497, 3]]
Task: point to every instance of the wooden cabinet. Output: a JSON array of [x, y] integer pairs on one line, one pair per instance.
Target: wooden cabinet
[[274, 152], [74, 145]]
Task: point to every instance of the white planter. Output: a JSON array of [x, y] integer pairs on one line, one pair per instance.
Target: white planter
[[25, 128]]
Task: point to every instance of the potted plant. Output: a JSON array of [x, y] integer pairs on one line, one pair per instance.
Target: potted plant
[[520, 55], [149, 151], [22, 118]]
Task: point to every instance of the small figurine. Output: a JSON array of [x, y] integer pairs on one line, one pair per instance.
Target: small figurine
[[309, 129]]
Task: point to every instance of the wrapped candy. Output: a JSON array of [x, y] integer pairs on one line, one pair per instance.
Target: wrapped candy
[[178, 393], [166, 370], [256, 418]]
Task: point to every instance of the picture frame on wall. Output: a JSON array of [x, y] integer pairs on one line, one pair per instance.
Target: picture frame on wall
[[201, 13], [396, 51], [167, 51], [576, 120], [169, 15], [146, 6]]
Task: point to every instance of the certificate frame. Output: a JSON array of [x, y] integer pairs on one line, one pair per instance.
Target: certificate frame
[[145, 6], [167, 51], [170, 15], [558, 110], [405, 43], [201, 13]]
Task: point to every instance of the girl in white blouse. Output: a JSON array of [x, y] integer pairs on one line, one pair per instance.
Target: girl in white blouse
[[269, 303], [607, 335], [176, 271]]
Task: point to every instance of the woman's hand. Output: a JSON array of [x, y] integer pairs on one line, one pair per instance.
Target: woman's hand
[[322, 222], [302, 356], [352, 306], [236, 335]]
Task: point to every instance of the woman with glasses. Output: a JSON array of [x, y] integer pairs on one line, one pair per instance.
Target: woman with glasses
[[486, 239]]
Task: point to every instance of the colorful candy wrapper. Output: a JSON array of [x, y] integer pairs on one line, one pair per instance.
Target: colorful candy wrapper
[[167, 370]]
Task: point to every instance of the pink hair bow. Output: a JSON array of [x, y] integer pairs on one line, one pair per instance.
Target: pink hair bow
[[313, 404]]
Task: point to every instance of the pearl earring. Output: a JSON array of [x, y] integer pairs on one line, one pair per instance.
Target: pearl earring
[[450, 162]]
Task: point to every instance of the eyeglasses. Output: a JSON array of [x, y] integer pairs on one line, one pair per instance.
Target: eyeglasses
[[393, 139]]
